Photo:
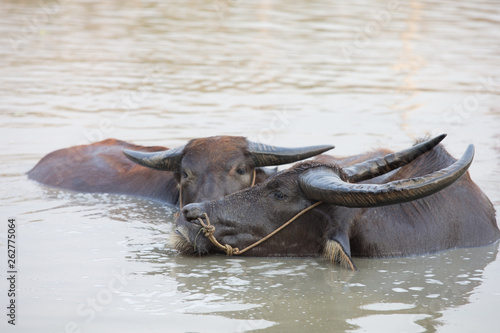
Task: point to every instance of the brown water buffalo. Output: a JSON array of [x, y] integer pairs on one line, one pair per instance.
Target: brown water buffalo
[[203, 169], [366, 210]]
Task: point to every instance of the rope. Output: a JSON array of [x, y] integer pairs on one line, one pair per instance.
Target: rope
[[176, 215], [208, 231], [180, 197], [253, 181]]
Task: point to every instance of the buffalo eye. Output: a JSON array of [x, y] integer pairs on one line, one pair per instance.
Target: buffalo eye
[[241, 171], [184, 174], [279, 195]]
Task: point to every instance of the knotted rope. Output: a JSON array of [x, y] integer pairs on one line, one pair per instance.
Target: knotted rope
[[208, 231]]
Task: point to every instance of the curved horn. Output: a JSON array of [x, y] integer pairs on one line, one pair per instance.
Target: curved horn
[[379, 166], [325, 185], [265, 155], [167, 160]]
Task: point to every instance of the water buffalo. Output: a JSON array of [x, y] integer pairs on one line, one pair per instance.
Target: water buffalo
[[361, 209], [203, 169]]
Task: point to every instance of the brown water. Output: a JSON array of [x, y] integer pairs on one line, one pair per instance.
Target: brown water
[[358, 74]]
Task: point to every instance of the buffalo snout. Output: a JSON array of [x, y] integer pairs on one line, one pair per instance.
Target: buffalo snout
[[193, 211]]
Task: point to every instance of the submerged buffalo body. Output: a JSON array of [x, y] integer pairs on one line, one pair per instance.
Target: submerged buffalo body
[[204, 169], [367, 210]]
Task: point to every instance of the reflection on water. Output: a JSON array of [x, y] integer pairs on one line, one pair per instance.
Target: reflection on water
[[357, 74], [311, 294]]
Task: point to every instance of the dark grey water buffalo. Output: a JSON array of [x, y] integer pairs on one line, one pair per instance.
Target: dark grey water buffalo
[[204, 169], [367, 210]]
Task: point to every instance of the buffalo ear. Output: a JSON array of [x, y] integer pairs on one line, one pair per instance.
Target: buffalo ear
[[338, 250], [261, 174]]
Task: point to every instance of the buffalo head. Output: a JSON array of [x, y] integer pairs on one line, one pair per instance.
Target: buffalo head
[[210, 168], [246, 216]]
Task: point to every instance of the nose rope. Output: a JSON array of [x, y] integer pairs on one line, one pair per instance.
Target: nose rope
[[209, 230], [253, 180], [180, 197], [176, 215]]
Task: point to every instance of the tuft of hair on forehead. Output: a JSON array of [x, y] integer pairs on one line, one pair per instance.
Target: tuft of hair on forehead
[[335, 254], [217, 148], [222, 141]]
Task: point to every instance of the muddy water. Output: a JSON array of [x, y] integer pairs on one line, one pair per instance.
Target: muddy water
[[357, 75]]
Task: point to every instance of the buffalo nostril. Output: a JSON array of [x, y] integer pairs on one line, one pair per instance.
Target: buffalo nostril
[[193, 211]]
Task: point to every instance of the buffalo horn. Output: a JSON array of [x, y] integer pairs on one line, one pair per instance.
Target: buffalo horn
[[166, 160], [265, 155], [379, 166], [324, 184]]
